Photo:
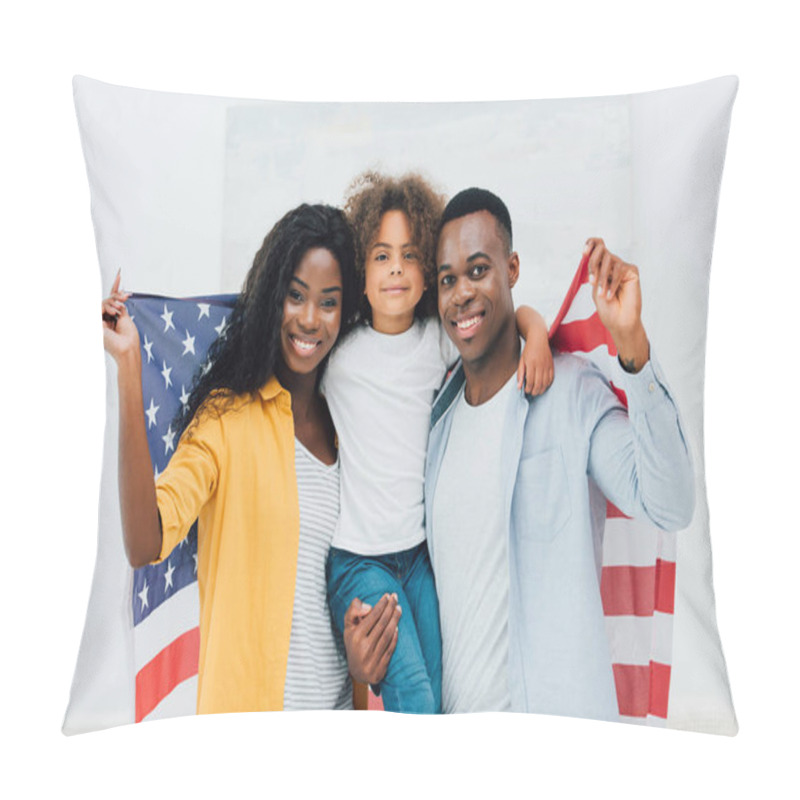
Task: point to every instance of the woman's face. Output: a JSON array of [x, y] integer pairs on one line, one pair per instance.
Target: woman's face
[[312, 311]]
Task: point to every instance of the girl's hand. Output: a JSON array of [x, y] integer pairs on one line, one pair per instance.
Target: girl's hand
[[120, 336], [535, 371]]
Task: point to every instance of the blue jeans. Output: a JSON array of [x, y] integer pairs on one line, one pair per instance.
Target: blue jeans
[[413, 681]]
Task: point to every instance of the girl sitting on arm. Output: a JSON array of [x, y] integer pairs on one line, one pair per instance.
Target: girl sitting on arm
[[380, 386]]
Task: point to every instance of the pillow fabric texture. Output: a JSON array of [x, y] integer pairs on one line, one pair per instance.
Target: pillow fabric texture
[[183, 190]]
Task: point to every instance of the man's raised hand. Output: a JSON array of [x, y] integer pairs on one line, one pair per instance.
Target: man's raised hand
[[617, 295]]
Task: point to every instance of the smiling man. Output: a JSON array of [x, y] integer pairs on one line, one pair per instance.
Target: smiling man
[[515, 485]]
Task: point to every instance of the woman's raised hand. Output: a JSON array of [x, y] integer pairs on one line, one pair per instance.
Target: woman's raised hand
[[141, 526], [120, 336]]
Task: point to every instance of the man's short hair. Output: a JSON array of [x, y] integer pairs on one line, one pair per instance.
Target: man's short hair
[[470, 201]]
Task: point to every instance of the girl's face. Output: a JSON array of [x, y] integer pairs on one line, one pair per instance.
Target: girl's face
[[312, 311], [394, 276]]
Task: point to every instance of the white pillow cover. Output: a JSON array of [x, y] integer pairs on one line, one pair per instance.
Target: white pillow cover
[[184, 188]]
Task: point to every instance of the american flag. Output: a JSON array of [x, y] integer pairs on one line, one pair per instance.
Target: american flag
[[638, 573], [175, 337]]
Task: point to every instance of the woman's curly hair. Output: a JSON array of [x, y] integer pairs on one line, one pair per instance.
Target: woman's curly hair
[[244, 358], [369, 197]]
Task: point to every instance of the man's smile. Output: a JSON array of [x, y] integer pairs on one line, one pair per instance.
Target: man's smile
[[467, 325]]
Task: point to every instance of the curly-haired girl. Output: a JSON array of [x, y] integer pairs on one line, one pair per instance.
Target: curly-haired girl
[[380, 385]]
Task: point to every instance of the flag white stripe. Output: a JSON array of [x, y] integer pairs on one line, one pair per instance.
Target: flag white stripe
[[637, 543], [640, 640], [165, 624], [662, 638], [180, 702], [668, 545], [649, 720], [582, 306], [629, 639], [635, 720], [625, 547]]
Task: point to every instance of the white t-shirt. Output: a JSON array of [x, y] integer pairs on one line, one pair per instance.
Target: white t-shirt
[[470, 558], [379, 390]]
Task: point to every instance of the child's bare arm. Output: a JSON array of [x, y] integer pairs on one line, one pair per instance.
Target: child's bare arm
[[535, 371]]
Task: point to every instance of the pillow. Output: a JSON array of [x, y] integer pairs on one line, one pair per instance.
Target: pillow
[[184, 189]]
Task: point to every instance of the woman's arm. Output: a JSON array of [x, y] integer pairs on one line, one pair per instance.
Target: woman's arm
[[370, 637], [141, 526]]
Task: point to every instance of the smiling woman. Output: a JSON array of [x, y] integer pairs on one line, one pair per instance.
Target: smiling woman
[[312, 312], [257, 455]]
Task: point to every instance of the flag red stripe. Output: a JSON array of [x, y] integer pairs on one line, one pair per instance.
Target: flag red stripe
[[638, 591], [581, 277], [613, 512], [633, 689], [623, 398], [665, 586], [627, 590], [173, 665], [583, 335], [659, 689], [642, 689]]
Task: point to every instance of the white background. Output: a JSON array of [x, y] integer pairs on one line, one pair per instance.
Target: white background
[[53, 395]]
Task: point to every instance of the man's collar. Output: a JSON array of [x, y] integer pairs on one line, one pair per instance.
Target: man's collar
[[448, 393]]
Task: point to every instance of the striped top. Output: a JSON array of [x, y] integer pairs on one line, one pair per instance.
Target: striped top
[[316, 673]]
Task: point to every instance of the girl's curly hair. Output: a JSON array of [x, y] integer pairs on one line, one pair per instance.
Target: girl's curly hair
[[245, 357], [369, 197]]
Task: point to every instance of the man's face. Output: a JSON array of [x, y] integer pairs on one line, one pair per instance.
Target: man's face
[[474, 276]]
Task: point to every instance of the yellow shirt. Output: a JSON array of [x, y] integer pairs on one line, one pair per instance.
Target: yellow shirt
[[236, 474]]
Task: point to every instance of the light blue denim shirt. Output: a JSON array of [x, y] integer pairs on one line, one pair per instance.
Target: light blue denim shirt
[[563, 452]]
